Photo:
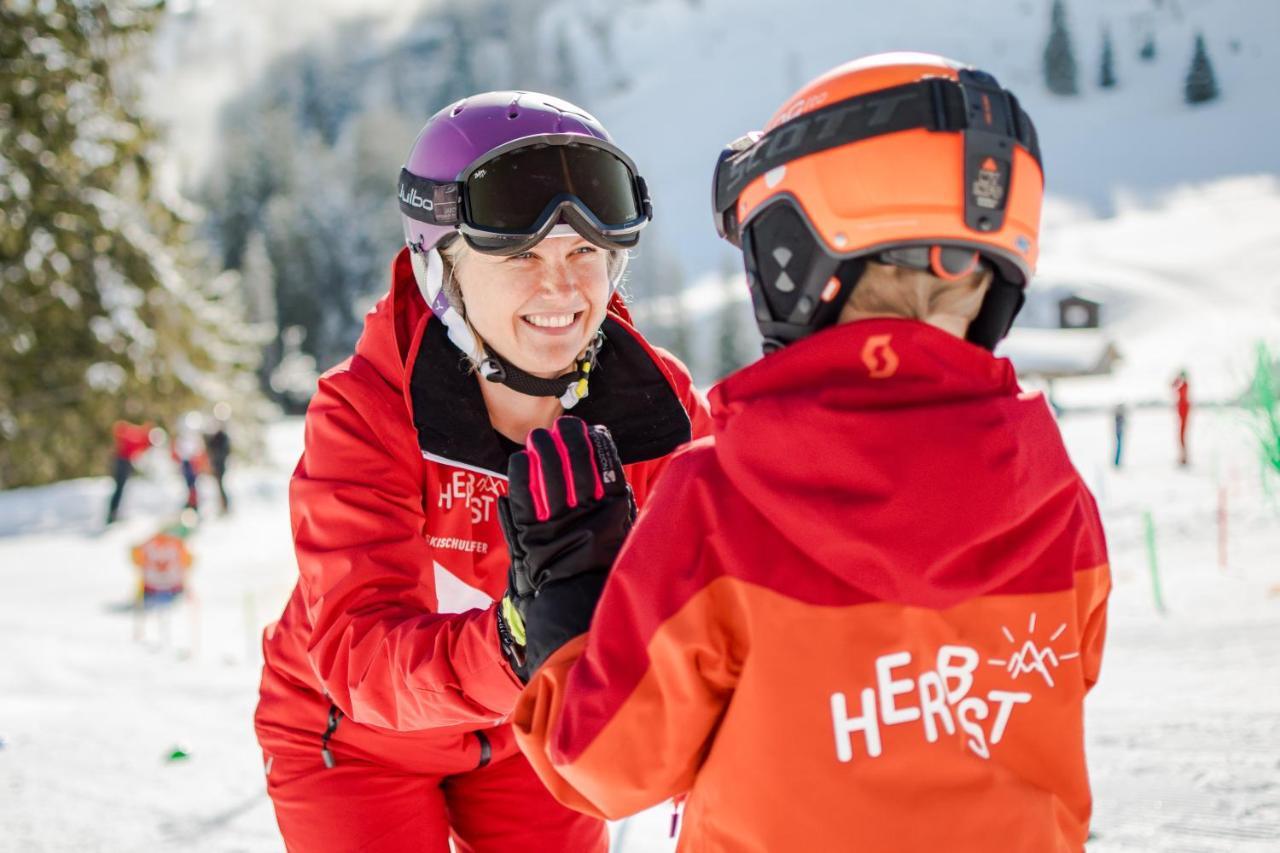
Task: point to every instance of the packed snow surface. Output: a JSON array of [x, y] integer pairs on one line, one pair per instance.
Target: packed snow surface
[[1184, 728]]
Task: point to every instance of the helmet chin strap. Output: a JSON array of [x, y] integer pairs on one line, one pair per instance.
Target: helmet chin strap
[[568, 387]]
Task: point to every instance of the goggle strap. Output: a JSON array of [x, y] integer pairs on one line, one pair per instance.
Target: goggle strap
[[936, 104], [949, 263], [432, 202]]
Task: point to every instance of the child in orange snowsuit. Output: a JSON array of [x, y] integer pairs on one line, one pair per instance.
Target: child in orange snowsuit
[[864, 613]]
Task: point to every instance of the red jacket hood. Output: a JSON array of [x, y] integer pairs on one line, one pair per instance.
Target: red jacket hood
[[896, 456], [392, 325]]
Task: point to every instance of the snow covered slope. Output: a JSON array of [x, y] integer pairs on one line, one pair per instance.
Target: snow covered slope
[[1184, 728], [1191, 281]]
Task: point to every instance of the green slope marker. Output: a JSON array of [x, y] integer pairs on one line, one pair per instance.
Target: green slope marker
[[1152, 561]]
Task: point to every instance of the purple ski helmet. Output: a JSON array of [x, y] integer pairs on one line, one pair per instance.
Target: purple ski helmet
[[457, 137]]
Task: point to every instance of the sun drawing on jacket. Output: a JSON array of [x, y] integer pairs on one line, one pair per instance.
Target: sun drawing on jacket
[[1032, 658]]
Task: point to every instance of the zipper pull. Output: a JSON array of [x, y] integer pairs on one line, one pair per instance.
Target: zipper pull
[[335, 716]]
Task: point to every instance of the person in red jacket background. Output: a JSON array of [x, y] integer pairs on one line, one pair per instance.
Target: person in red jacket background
[[1182, 406], [864, 613], [387, 683], [130, 442]]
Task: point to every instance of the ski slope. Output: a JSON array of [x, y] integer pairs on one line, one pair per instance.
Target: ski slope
[[1184, 728]]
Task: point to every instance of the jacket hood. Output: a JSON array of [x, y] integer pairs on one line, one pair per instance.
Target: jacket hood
[[898, 457], [391, 327]]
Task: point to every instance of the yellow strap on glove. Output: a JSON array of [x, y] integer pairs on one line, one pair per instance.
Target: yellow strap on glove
[[515, 624]]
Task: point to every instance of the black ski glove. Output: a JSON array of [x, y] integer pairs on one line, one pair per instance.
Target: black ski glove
[[566, 515]]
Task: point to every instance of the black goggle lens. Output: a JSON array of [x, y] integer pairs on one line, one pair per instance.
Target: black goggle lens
[[513, 191]]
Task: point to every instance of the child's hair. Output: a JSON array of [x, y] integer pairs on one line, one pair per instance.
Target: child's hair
[[893, 291]]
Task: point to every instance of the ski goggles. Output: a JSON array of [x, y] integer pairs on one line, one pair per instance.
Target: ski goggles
[[510, 199], [990, 119]]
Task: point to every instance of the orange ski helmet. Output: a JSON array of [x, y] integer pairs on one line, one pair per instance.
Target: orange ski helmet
[[904, 158]]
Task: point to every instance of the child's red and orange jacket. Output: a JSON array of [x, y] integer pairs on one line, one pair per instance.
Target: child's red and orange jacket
[[862, 615]]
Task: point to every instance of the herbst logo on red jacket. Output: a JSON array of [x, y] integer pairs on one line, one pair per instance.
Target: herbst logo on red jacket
[[478, 492]]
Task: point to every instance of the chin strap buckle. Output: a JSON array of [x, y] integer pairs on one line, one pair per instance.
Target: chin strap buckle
[[492, 369], [578, 389], [570, 387]]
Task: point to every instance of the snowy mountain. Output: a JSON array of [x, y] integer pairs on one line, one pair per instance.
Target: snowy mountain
[[676, 79], [704, 73], [686, 76]]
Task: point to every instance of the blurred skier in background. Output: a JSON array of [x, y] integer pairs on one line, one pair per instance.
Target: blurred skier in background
[[389, 678], [188, 452], [217, 448], [131, 442], [865, 613], [1182, 405], [1120, 417]]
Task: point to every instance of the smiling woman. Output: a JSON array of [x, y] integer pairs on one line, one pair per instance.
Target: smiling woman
[[389, 677], [539, 309], [562, 284]]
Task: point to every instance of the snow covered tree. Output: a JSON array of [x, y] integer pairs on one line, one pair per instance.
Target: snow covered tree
[[1059, 58], [461, 80], [564, 76], [1107, 73], [675, 333], [1201, 85], [103, 313], [732, 324], [1148, 50], [308, 164]]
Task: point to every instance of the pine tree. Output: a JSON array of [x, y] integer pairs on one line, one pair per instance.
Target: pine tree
[[1107, 74], [102, 313], [1201, 84], [681, 337], [1148, 50], [677, 335], [1059, 59], [565, 76], [732, 332], [462, 79]]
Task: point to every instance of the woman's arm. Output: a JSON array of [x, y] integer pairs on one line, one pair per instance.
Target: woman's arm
[[383, 654]]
